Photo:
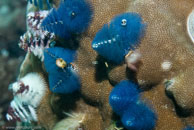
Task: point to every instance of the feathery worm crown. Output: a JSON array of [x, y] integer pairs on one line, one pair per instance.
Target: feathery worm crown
[[58, 63], [115, 40], [30, 89], [72, 17]]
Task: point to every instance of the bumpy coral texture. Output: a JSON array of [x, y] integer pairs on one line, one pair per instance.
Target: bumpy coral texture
[[172, 44], [166, 43], [94, 87], [46, 117], [118, 73], [167, 118], [166, 51], [181, 87], [166, 40]]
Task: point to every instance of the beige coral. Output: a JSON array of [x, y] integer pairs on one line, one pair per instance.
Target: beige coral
[[93, 89], [166, 48], [166, 51], [166, 38], [167, 118], [181, 87]]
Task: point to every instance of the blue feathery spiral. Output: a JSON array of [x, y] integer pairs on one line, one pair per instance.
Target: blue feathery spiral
[[62, 79], [123, 33], [139, 117], [125, 102], [72, 17], [122, 96], [39, 3], [189, 128]]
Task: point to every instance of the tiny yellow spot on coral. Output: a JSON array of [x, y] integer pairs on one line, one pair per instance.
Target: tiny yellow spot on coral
[[61, 63]]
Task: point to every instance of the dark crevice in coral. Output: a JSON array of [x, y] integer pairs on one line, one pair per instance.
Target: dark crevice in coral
[[89, 101], [72, 43], [120, 125], [117, 121], [181, 112], [101, 70], [64, 103], [146, 87], [131, 75]]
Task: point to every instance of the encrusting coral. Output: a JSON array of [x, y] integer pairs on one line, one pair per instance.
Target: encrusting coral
[[162, 60], [181, 88], [167, 117], [166, 48], [172, 45], [169, 39], [166, 52]]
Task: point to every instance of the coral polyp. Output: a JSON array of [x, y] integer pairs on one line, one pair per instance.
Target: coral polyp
[[71, 18], [61, 69], [177, 85], [121, 35]]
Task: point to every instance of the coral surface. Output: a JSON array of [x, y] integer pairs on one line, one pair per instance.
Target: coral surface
[[158, 91]]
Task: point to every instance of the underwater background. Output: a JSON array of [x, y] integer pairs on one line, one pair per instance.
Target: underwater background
[[12, 25]]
